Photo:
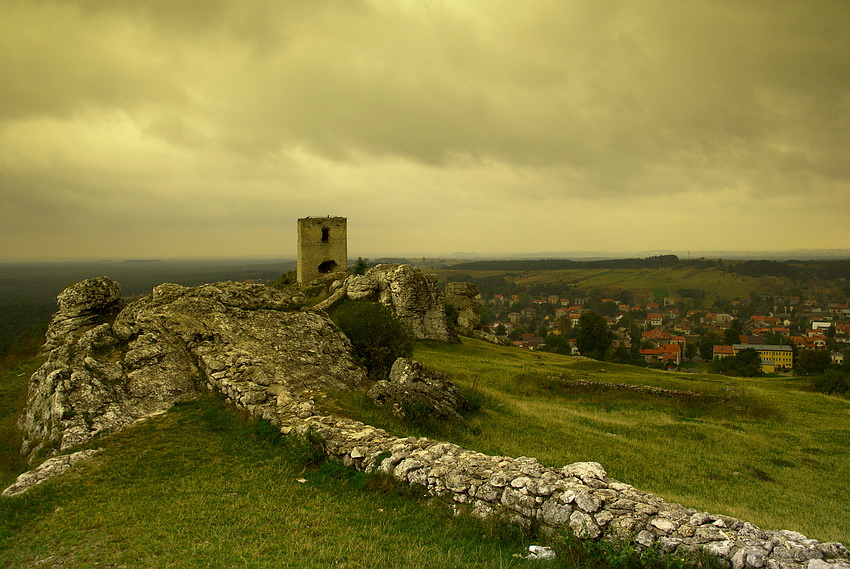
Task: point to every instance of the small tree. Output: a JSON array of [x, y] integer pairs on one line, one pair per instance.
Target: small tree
[[594, 337], [706, 345], [812, 361], [359, 267]]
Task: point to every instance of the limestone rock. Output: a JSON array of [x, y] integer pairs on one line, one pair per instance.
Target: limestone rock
[[412, 295], [81, 305], [411, 384], [492, 338], [46, 470], [462, 297], [242, 339]]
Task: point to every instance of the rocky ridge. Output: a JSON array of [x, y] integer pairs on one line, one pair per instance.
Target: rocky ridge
[[109, 366]]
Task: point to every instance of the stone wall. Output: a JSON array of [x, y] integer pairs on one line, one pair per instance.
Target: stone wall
[[579, 497]]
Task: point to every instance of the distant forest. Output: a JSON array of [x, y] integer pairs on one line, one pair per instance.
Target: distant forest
[[797, 270], [657, 262]]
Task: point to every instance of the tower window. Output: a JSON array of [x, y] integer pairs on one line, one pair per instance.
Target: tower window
[[326, 234]]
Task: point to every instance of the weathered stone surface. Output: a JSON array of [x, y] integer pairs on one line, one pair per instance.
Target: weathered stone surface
[[46, 470], [413, 296], [82, 304], [411, 386], [462, 297], [492, 338], [242, 339]]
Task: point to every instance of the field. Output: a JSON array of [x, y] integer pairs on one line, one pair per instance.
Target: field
[[203, 487], [764, 450], [646, 284]]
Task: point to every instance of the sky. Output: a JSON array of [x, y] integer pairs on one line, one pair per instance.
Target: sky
[[182, 128]]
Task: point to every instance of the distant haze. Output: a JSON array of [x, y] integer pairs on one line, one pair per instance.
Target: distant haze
[[135, 129]]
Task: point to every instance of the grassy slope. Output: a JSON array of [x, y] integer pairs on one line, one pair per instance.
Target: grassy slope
[[197, 488], [778, 457]]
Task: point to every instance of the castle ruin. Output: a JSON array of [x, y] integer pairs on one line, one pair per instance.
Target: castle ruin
[[322, 247]]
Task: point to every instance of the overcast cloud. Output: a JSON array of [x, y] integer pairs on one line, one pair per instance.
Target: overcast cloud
[[166, 128]]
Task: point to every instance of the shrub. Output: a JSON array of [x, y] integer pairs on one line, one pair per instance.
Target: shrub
[[831, 381], [378, 337]]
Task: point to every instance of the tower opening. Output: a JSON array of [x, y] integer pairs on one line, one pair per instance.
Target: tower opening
[[326, 234], [327, 267]]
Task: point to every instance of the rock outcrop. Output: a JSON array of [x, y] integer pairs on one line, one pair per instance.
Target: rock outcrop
[[47, 470], [462, 297], [107, 368], [413, 296], [413, 389]]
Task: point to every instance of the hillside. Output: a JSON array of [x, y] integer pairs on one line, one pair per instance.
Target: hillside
[[227, 492], [765, 450], [648, 283]]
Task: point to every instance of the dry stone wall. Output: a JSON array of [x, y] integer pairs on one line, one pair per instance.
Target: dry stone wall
[[579, 497]]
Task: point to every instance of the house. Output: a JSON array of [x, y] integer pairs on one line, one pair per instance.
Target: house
[[671, 353], [657, 336], [654, 319], [721, 352], [773, 357]]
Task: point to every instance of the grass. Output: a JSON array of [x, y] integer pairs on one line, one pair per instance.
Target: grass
[[203, 487], [198, 487], [772, 453]]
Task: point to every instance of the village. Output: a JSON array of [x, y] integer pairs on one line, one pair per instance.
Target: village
[[665, 333]]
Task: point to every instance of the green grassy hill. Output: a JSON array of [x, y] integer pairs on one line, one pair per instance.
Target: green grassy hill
[[765, 450], [200, 487]]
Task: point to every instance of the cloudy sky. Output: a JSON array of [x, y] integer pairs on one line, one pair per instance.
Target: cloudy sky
[[175, 128]]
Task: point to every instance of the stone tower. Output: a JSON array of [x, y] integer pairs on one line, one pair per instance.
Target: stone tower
[[322, 247]]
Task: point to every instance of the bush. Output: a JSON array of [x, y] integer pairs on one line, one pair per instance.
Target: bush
[[378, 337], [832, 381]]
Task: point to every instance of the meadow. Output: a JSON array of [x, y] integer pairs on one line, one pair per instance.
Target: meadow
[[766, 450], [204, 486], [648, 283]]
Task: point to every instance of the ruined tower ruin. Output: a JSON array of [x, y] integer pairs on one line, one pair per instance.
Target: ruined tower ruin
[[322, 247]]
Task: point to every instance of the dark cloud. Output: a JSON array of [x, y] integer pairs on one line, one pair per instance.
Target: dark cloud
[[294, 105]]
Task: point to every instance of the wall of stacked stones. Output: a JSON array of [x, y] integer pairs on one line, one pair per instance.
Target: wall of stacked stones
[[578, 497]]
